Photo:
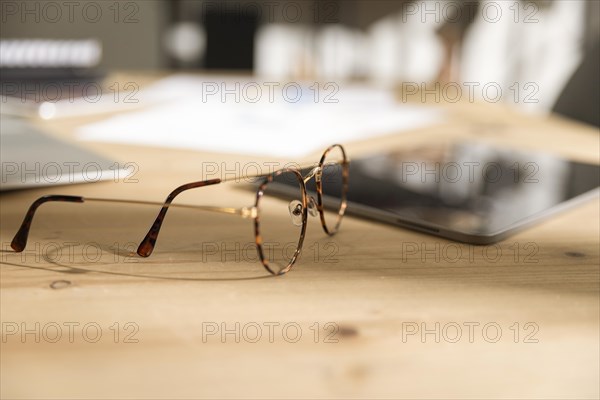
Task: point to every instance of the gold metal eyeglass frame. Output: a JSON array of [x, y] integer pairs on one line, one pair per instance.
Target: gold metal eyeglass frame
[[147, 245]]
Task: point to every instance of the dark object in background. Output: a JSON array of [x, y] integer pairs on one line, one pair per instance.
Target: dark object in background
[[49, 84], [40, 70], [230, 38], [580, 99]]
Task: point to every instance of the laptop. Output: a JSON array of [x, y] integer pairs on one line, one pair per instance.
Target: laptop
[[31, 158]]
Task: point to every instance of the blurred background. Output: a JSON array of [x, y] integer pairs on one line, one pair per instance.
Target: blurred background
[[543, 55]]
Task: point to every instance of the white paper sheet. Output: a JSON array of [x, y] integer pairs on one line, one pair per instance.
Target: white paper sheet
[[191, 117]]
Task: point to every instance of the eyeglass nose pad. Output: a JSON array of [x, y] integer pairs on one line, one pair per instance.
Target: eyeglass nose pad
[[312, 207], [296, 209]]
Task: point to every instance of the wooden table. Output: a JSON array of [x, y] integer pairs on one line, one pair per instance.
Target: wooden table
[[357, 317]]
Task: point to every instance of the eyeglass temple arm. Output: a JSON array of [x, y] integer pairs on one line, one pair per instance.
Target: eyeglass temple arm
[[20, 240], [147, 245]]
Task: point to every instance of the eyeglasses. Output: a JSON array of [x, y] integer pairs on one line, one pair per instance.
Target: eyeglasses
[[284, 200]]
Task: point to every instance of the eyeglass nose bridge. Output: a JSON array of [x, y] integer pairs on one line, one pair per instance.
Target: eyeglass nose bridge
[[296, 210]]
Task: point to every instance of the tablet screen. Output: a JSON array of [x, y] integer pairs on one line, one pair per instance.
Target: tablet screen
[[466, 187]]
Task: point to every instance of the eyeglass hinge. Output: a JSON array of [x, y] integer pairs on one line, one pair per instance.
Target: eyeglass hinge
[[316, 172], [249, 212]]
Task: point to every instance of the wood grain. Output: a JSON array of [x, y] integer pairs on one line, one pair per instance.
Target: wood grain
[[355, 298]]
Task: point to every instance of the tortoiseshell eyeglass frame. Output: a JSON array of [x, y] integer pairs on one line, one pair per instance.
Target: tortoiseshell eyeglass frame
[[148, 244]]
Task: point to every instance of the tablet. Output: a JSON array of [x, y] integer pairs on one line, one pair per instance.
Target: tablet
[[470, 192]]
